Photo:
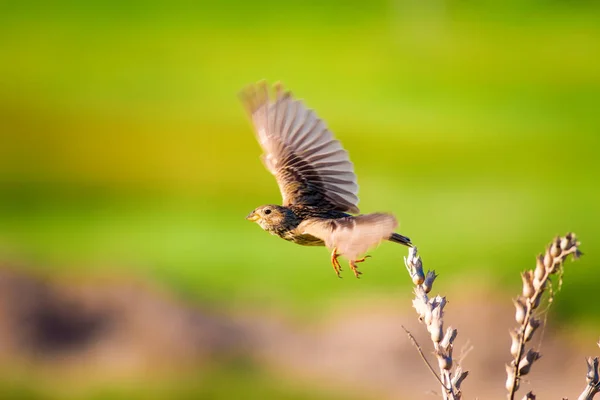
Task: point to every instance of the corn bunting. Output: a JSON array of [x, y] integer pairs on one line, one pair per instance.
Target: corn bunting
[[316, 180]]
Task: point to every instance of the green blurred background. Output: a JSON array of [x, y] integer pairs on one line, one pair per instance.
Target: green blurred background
[[124, 149]]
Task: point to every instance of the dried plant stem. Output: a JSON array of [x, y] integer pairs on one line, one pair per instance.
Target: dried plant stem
[[420, 350], [534, 284], [431, 313], [593, 380], [447, 386], [528, 314]]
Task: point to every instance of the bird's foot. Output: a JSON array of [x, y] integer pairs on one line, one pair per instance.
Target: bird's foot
[[335, 262], [357, 273]]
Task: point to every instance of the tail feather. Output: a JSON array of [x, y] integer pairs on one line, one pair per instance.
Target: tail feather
[[397, 238]]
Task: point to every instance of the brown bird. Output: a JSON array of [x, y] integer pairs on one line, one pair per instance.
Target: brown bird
[[316, 180]]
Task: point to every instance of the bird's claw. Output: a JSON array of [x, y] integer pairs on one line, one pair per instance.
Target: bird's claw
[[357, 273], [335, 263]]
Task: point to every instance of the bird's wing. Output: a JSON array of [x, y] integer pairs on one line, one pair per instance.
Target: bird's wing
[[310, 166], [351, 236]]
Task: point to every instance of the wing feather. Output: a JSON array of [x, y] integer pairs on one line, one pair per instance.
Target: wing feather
[[311, 167]]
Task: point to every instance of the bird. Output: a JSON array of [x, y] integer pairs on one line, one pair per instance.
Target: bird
[[316, 179]]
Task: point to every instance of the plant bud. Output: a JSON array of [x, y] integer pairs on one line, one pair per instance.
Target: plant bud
[[436, 330], [592, 376], [428, 315], [459, 377], [528, 289], [527, 361], [510, 379], [540, 270], [535, 302], [414, 266], [418, 277], [565, 244], [555, 248], [539, 285], [420, 307], [520, 310], [531, 327], [449, 337], [439, 302], [515, 345], [524, 367], [445, 362], [429, 279], [532, 356], [548, 261]]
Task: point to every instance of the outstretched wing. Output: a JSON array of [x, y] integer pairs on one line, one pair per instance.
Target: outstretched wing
[[310, 166], [352, 236]]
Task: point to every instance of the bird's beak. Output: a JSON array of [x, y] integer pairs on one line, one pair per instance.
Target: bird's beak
[[253, 217]]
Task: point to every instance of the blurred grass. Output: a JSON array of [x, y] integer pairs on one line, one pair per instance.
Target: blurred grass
[[123, 139], [123, 146]]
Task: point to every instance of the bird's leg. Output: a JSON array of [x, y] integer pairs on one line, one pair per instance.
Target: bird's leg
[[334, 261], [362, 259], [357, 273]]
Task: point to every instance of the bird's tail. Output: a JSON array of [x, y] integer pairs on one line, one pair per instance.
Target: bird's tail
[[397, 238]]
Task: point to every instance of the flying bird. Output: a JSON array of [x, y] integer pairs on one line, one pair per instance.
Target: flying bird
[[316, 180]]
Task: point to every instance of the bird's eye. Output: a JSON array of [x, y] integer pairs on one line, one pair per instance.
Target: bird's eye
[[267, 211]]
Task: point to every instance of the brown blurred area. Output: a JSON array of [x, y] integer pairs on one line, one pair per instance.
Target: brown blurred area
[[116, 330]]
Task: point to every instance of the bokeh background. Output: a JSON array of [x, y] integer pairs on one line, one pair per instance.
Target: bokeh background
[[127, 166]]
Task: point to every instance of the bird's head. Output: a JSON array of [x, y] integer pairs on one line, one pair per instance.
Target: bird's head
[[268, 217]]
